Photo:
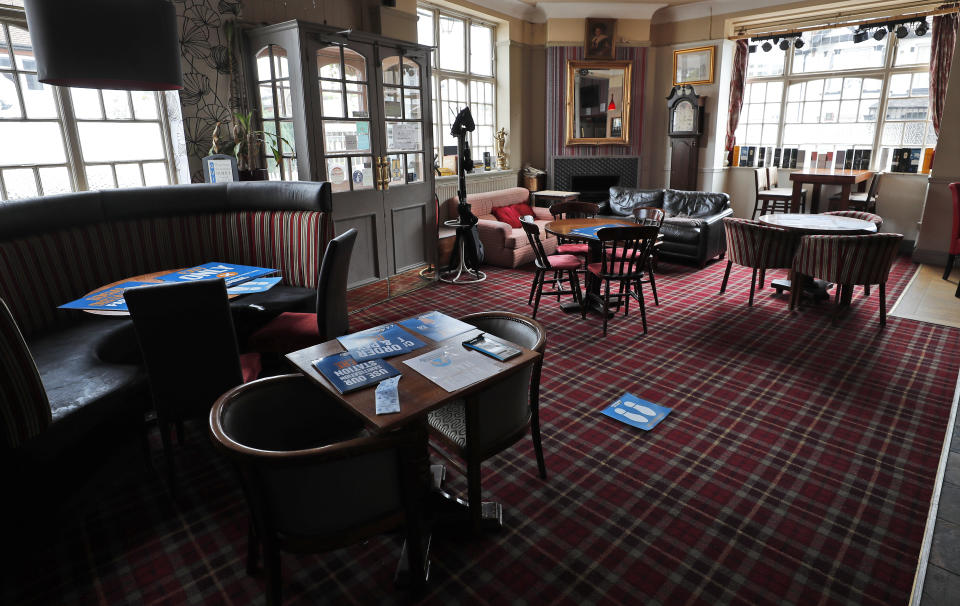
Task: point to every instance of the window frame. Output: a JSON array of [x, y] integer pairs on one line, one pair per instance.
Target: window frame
[[70, 127], [884, 73], [442, 123]]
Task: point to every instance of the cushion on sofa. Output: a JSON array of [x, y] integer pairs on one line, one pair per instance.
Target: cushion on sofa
[[624, 199], [677, 203], [507, 214], [522, 209], [480, 204], [682, 229]]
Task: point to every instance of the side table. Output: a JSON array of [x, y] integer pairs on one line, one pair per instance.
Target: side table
[[548, 197], [460, 274]]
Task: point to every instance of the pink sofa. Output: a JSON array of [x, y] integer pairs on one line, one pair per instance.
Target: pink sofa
[[503, 245]]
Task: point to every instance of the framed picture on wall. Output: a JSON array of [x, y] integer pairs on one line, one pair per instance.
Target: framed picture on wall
[[616, 127], [599, 39], [693, 65]]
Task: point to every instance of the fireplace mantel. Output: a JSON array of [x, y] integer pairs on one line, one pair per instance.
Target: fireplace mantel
[[565, 167]]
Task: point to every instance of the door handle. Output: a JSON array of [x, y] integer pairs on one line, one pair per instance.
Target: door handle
[[383, 173]]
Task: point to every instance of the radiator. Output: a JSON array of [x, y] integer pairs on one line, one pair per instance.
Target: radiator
[[446, 187]]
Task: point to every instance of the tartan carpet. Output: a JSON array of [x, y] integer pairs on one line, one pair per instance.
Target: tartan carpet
[[797, 467]]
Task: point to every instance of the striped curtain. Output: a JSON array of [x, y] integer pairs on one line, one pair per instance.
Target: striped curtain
[[556, 116], [737, 84], [941, 56]]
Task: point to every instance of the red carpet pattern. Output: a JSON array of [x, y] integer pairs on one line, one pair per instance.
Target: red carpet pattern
[[796, 467]]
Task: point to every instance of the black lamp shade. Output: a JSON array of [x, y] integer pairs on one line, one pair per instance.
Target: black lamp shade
[[117, 44]]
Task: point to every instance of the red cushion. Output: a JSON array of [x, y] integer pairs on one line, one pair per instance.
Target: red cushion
[[508, 215], [250, 365], [522, 209], [573, 249], [564, 261], [620, 253], [287, 332], [594, 268]]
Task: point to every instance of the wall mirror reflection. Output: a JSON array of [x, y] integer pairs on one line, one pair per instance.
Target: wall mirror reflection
[[598, 102]]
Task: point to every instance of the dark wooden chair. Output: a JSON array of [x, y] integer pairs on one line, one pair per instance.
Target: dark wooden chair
[[758, 246], [291, 331], [846, 261], [624, 254], [501, 415], [769, 196], [312, 479], [556, 264], [653, 216], [864, 201], [573, 210], [189, 348]]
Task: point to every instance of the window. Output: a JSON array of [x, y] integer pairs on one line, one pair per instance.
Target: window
[[834, 94], [463, 74], [276, 110], [57, 140]]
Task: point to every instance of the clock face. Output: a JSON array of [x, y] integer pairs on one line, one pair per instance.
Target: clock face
[[683, 117]]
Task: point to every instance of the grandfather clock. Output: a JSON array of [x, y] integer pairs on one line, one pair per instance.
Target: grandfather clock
[[685, 115]]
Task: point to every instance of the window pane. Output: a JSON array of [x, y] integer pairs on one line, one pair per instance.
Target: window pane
[[55, 180], [5, 62], [763, 63], [481, 50], [834, 49], [346, 136], [20, 183], [100, 177], [814, 90], [425, 27], [392, 105], [354, 66], [758, 92], [900, 85], [829, 111], [22, 49], [913, 50], [31, 143], [144, 104], [362, 172], [414, 168], [892, 133], [411, 104], [128, 175], [404, 136], [848, 111], [795, 92], [116, 104], [337, 174], [108, 142], [851, 88], [328, 62], [411, 72], [452, 43], [266, 102], [774, 92], [155, 173], [263, 65], [396, 169], [86, 103], [37, 97], [332, 99], [871, 88], [357, 101], [9, 102], [281, 69]]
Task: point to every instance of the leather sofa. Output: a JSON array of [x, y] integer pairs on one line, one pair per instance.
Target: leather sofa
[[503, 246], [55, 249], [693, 223]]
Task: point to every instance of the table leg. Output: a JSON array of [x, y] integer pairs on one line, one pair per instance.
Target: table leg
[[795, 198], [815, 201], [844, 197]]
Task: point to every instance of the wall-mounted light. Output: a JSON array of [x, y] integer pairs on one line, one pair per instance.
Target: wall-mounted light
[[860, 35], [784, 44], [116, 44], [902, 31], [798, 43], [752, 48], [880, 34], [922, 28], [766, 46]]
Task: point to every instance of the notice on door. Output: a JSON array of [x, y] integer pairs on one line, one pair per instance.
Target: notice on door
[[406, 137]]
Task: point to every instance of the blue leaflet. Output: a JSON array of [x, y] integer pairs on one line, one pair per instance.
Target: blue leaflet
[[346, 374], [231, 272], [393, 341], [631, 410], [108, 299], [591, 232], [436, 326]]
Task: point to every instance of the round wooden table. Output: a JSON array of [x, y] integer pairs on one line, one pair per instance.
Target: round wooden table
[[818, 224], [563, 228]]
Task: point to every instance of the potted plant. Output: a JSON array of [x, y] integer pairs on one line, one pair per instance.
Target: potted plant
[[246, 146]]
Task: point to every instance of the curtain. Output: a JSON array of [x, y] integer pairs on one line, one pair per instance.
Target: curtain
[[941, 56], [737, 84]]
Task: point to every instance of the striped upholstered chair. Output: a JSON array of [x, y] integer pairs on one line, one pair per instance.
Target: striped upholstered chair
[[859, 214], [762, 247], [846, 260]]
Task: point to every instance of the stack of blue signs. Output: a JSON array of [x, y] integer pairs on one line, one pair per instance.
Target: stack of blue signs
[[379, 342]]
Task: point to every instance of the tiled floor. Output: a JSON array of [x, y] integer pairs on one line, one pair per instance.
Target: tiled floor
[[941, 586]]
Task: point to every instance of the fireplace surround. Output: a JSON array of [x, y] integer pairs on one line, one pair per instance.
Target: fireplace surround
[[565, 168]]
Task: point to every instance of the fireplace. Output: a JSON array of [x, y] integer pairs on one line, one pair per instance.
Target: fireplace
[[626, 168], [593, 188]]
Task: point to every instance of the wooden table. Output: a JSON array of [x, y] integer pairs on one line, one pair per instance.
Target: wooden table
[[562, 228], [811, 225], [819, 177], [549, 197], [418, 396]]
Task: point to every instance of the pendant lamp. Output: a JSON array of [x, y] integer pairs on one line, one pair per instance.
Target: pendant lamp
[[116, 44], [611, 106]]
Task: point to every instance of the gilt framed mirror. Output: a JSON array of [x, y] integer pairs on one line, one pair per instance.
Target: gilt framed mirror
[[598, 102]]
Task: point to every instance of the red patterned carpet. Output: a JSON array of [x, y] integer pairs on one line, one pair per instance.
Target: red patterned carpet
[[796, 467]]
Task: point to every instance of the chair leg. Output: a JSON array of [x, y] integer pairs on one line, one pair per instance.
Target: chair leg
[[473, 495], [949, 268], [753, 284], [883, 304], [726, 276], [557, 283], [866, 290], [763, 278], [541, 276], [575, 285], [794, 289], [271, 557], [533, 287], [168, 456], [538, 445], [653, 283], [606, 305], [586, 296], [253, 549], [643, 307]]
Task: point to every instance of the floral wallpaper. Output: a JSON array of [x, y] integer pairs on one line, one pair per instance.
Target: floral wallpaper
[[209, 56]]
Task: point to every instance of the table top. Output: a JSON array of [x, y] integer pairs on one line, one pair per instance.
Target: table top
[[563, 227], [819, 224], [418, 394], [831, 175], [550, 193]]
